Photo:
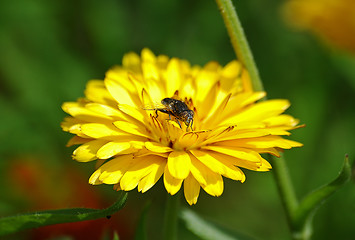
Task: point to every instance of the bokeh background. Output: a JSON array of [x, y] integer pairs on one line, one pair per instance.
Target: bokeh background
[[50, 49]]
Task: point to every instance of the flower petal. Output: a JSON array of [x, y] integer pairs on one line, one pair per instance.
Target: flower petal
[[141, 168], [118, 92], [173, 76], [132, 62], [209, 180], [77, 140], [131, 128], [172, 185], [260, 111], [262, 142], [112, 171], [179, 164], [216, 163], [149, 181], [96, 91], [191, 189], [99, 130], [87, 151], [104, 109], [132, 112], [112, 148], [157, 147], [78, 111], [235, 152]]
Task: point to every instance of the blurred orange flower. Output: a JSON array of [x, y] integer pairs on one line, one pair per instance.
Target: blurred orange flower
[[332, 20]]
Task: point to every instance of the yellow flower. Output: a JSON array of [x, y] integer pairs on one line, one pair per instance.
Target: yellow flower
[[332, 20], [116, 124]]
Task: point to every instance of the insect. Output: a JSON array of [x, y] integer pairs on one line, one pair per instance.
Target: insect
[[177, 109]]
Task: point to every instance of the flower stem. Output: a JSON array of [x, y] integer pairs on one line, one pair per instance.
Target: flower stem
[[285, 187], [243, 52], [171, 217], [239, 41]]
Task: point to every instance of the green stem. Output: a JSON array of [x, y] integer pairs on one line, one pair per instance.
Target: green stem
[[243, 52], [171, 217], [285, 187], [239, 41]]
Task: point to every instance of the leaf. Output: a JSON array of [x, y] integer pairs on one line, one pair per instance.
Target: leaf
[[306, 209], [20, 222], [207, 230]]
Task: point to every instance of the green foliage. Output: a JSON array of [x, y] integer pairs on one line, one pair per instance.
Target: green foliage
[[20, 222], [141, 231], [208, 230]]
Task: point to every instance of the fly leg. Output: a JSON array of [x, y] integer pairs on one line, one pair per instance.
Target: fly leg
[[190, 125], [178, 122]]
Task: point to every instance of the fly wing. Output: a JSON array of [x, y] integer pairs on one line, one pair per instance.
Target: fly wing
[[153, 106]]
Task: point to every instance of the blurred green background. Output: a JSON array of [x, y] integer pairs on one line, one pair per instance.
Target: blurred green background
[[50, 49]]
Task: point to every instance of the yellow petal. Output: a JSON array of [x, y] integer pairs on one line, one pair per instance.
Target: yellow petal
[[112, 148], [216, 112], [216, 163], [131, 128], [77, 140], [87, 151], [97, 92], [172, 185], [209, 180], [263, 142], [145, 152], [207, 104], [132, 61], [155, 91], [157, 147], [179, 164], [118, 92], [265, 166], [191, 189], [120, 76], [78, 111], [173, 77], [230, 171], [241, 162], [271, 151], [132, 112], [260, 111], [204, 80], [141, 168], [281, 120], [247, 85], [240, 101], [149, 181], [235, 152], [232, 70], [104, 109], [99, 130], [150, 71], [94, 178], [112, 171], [148, 55]]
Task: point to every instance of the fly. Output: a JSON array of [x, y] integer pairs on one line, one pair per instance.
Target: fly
[[177, 109]]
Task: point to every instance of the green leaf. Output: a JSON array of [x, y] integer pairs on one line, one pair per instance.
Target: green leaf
[[207, 230], [302, 217], [141, 231], [20, 222]]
